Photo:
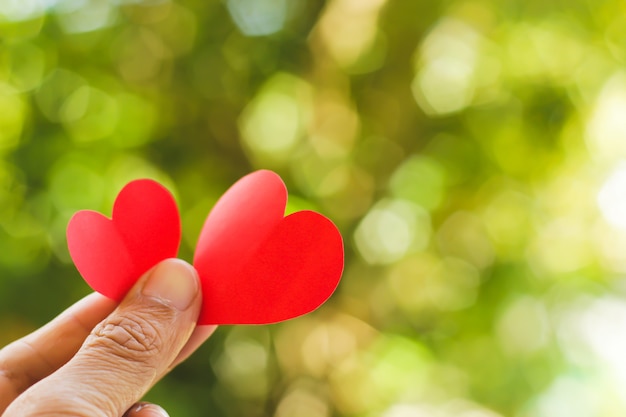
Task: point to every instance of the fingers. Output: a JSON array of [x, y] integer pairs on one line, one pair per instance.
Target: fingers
[[126, 353], [32, 358]]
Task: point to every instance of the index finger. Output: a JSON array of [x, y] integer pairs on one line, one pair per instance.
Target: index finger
[[35, 356]]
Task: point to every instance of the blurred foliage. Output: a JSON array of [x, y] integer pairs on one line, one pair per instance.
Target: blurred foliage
[[471, 151]]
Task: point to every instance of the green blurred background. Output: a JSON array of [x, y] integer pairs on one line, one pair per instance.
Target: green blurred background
[[471, 152]]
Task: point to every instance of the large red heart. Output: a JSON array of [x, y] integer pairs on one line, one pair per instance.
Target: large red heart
[[111, 254], [258, 266]]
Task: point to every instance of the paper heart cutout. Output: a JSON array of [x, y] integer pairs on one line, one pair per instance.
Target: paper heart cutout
[[256, 266], [144, 229]]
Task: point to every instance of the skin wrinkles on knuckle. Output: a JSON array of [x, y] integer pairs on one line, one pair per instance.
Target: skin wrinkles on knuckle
[[131, 334]]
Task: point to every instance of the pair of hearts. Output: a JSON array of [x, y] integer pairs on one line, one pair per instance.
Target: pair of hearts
[[256, 265]]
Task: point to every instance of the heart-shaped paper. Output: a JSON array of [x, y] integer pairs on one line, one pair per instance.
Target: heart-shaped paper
[[144, 229], [258, 266]]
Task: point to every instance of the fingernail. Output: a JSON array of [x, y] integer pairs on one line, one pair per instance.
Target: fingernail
[[147, 410], [174, 282]]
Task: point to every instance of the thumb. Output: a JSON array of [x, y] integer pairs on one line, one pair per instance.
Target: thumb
[[126, 353]]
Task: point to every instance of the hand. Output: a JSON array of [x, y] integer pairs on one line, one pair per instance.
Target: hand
[[98, 360]]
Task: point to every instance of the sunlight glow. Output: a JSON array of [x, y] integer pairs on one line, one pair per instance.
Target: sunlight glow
[[444, 82], [612, 198], [392, 229], [606, 129]]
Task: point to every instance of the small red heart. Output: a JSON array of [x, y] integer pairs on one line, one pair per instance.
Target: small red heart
[[258, 266], [111, 254]]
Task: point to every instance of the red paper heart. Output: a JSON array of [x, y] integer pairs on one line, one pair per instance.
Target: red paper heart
[[258, 266], [111, 254]]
